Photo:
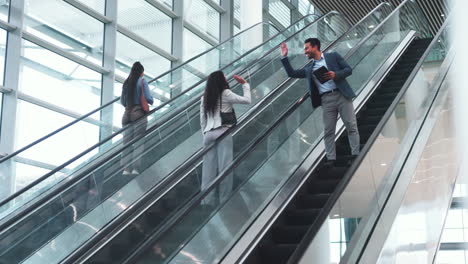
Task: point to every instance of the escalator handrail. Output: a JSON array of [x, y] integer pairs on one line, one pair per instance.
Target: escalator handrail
[[15, 153], [181, 169], [71, 181], [325, 212]]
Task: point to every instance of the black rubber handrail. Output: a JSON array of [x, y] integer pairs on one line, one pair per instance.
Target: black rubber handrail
[[181, 169], [83, 117], [302, 247], [70, 182]]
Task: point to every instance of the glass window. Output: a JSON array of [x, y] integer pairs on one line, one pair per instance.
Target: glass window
[[34, 122], [72, 30], [236, 30], [203, 16], [3, 38], [305, 7], [146, 21], [58, 80], [129, 51], [98, 5], [1, 102], [237, 14], [168, 3], [4, 9], [281, 12], [194, 45]]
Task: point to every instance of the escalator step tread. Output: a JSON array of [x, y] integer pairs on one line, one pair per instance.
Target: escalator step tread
[[289, 234], [301, 216], [277, 253], [323, 186], [311, 201]]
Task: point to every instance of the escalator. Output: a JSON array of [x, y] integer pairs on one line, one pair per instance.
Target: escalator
[[202, 233], [52, 252], [189, 214], [345, 214], [66, 217], [298, 217]]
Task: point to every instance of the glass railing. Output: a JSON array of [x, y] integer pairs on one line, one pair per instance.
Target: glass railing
[[428, 179], [165, 149], [386, 151], [258, 176], [43, 164]]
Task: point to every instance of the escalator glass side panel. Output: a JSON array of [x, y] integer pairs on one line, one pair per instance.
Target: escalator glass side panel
[[363, 197], [428, 176], [107, 193], [271, 168]]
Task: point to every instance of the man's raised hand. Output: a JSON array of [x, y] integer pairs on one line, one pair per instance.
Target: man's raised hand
[[284, 49]]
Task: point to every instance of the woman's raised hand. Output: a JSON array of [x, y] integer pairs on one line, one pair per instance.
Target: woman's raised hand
[[239, 79]]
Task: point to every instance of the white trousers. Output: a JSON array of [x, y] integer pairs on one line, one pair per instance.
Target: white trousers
[[214, 161]]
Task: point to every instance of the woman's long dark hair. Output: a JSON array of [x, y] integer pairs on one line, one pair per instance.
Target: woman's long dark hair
[[130, 84], [215, 85]]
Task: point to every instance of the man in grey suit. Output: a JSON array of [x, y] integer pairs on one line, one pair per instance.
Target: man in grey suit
[[334, 95]]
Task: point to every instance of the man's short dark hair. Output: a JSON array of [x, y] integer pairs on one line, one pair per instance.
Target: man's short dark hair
[[313, 42]]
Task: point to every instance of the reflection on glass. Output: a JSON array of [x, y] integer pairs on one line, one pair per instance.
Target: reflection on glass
[[146, 21], [3, 38], [203, 16], [73, 30], [4, 9], [455, 234], [58, 81]]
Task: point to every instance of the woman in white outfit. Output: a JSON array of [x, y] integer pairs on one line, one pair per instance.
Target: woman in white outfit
[[216, 116]]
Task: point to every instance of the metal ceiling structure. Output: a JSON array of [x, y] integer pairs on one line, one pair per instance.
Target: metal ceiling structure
[[434, 10]]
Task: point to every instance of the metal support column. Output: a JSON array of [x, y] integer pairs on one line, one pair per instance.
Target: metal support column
[[107, 92], [227, 31], [10, 100], [227, 20], [295, 14], [177, 39], [265, 18]]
